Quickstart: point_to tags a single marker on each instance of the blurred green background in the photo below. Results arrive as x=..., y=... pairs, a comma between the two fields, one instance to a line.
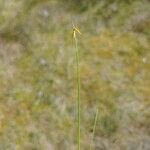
x=38, y=74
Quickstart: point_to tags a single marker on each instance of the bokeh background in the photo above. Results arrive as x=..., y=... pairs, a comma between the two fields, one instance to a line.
x=38, y=74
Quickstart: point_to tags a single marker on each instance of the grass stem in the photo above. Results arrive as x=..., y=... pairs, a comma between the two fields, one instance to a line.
x=78, y=91
x=78, y=94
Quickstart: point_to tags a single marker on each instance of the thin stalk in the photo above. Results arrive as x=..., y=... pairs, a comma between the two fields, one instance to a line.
x=94, y=127
x=76, y=30
x=78, y=93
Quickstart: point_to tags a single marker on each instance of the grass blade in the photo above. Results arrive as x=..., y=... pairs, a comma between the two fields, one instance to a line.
x=94, y=127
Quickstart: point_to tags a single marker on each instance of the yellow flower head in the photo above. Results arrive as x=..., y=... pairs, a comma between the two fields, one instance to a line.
x=75, y=30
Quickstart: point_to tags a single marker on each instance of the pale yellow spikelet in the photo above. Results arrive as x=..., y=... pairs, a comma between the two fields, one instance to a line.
x=76, y=30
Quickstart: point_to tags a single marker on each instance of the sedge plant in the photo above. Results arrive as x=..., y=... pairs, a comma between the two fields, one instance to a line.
x=75, y=32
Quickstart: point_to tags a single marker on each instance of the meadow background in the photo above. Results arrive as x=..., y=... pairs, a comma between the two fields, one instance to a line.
x=38, y=74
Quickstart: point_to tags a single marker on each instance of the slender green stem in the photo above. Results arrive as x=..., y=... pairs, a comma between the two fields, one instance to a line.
x=94, y=127
x=78, y=93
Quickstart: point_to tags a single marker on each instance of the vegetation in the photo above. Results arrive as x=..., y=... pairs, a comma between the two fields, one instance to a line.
x=38, y=74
